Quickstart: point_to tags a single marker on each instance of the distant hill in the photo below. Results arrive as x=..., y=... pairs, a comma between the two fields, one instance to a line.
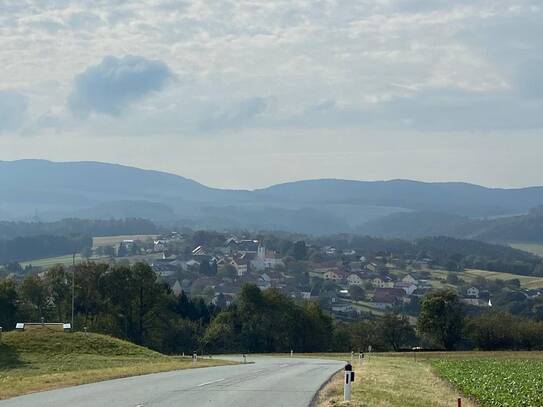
x=518, y=228
x=44, y=190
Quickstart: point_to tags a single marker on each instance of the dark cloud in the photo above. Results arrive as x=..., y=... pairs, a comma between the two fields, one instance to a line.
x=115, y=83
x=13, y=107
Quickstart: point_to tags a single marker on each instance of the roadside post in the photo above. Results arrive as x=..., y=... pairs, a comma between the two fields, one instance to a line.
x=1, y=329
x=352, y=356
x=459, y=402
x=349, y=378
x=291, y=353
x=194, y=357
x=85, y=330
x=244, y=358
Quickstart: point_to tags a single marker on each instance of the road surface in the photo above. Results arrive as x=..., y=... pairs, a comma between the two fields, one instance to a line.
x=270, y=381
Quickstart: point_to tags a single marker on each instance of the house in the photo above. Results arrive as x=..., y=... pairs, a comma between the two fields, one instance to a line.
x=247, y=246
x=409, y=288
x=354, y=279
x=470, y=301
x=159, y=246
x=264, y=281
x=388, y=296
x=342, y=308
x=305, y=295
x=330, y=250
x=372, y=267
x=473, y=292
x=222, y=300
x=241, y=265
x=323, y=267
x=383, y=281
x=199, y=251
x=334, y=275
x=410, y=279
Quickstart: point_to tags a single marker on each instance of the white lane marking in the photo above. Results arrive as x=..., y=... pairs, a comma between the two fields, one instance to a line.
x=214, y=381
x=257, y=371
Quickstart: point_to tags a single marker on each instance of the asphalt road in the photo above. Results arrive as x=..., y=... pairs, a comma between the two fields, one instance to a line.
x=270, y=381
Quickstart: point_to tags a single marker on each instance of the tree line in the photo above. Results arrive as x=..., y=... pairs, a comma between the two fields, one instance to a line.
x=130, y=302
x=35, y=247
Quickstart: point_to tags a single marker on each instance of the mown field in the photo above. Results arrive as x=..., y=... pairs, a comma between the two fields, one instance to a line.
x=487, y=379
x=115, y=240
x=64, y=260
x=40, y=359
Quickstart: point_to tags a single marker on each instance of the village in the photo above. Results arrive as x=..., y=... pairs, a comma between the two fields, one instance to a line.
x=346, y=283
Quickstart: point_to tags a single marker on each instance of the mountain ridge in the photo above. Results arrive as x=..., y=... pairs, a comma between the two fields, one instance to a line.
x=93, y=189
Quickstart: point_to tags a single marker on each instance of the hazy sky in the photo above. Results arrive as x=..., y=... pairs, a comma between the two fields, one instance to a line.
x=248, y=93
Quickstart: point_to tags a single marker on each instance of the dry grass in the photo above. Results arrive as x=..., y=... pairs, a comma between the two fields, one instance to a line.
x=392, y=382
x=34, y=361
x=471, y=274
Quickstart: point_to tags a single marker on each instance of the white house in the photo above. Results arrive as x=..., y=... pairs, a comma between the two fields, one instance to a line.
x=334, y=275
x=241, y=265
x=355, y=279
x=159, y=246
x=473, y=292
x=382, y=282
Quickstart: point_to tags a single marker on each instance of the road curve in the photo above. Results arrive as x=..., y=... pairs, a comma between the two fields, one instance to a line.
x=270, y=381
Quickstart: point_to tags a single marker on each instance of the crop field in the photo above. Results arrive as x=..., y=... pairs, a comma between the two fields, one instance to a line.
x=495, y=382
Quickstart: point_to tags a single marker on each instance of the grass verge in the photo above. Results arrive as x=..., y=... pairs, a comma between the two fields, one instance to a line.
x=41, y=360
x=392, y=381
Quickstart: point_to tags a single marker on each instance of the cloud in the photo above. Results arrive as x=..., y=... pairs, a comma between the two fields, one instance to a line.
x=236, y=116
x=116, y=83
x=530, y=78
x=13, y=109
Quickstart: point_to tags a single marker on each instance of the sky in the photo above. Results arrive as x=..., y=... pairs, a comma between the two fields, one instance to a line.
x=249, y=93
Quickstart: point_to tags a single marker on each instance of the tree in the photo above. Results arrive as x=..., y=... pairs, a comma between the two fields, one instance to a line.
x=300, y=250
x=441, y=318
x=34, y=294
x=8, y=304
x=59, y=283
x=86, y=252
x=396, y=330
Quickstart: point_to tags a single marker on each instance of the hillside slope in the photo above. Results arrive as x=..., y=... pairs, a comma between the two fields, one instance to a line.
x=42, y=359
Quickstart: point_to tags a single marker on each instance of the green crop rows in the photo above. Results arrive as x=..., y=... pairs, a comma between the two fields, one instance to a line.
x=497, y=383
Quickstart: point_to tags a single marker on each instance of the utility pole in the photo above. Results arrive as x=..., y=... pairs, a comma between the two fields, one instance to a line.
x=73, y=291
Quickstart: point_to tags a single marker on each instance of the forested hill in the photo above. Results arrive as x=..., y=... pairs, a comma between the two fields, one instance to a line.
x=410, y=225
x=39, y=189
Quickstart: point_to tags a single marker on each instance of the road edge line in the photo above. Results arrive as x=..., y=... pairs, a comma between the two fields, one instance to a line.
x=313, y=402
